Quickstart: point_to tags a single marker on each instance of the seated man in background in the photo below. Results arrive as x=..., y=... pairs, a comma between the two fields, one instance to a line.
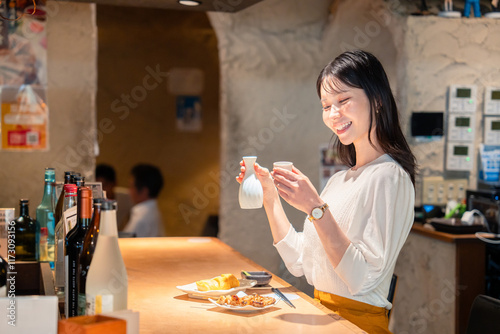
x=145, y=219
x=107, y=176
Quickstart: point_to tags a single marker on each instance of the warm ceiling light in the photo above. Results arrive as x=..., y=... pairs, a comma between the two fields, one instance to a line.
x=189, y=2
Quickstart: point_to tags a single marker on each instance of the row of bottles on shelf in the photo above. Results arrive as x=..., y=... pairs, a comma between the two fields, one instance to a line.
x=77, y=234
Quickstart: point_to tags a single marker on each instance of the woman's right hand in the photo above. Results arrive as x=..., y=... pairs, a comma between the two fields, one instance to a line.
x=262, y=174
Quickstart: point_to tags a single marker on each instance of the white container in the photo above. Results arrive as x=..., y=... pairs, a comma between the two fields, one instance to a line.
x=107, y=282
x=29, y=314
x=251, y=195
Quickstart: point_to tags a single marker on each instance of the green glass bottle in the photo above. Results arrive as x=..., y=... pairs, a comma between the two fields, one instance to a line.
x=25, y=227
x=45, y=229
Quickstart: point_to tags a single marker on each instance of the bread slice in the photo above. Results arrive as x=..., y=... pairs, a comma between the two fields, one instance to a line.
x=223, y=282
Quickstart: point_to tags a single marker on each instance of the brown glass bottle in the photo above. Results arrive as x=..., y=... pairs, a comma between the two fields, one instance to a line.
x=87, y=253
x=74, y=245
x=26, y=249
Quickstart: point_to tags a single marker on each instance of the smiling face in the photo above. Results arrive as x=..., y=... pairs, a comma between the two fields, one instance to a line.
x=346, y=111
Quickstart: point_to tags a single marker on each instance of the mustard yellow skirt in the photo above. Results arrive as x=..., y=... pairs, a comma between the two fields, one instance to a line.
x=372, y=319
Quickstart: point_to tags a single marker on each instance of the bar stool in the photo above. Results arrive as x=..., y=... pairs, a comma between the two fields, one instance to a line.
x=484, y=316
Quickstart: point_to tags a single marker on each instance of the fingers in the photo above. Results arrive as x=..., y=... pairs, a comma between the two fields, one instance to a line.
x=283, y=175
x=261, y=170
x=240, y=176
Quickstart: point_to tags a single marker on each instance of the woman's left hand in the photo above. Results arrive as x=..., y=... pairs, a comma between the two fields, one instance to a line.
x=296, y=189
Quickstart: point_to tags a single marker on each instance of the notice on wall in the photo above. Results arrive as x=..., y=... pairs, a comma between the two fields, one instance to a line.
x=189, y=113
x=24, y=118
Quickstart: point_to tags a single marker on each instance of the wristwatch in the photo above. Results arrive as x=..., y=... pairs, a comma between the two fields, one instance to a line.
x=318, y=212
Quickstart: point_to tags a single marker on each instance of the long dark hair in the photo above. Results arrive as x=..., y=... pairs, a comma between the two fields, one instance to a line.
x=361, y=69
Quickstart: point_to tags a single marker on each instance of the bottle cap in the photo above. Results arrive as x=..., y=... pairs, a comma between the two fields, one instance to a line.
x=24, y=201
x=70, y=190
x=79, y=180
x=50, y=174
x=108, y=204
x=85, y=202
x=98, y=200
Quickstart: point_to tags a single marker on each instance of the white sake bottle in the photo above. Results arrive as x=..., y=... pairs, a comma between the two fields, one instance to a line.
x=250, y=195
x=107, y=281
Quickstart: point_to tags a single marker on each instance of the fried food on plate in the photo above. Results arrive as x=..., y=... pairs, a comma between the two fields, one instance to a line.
x=254, y=300
x=223, y=282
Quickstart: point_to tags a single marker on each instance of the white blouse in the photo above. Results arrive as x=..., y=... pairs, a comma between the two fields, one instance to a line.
x=374, y=207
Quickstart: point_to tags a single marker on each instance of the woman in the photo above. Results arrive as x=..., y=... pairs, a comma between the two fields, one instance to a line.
x=357, y=226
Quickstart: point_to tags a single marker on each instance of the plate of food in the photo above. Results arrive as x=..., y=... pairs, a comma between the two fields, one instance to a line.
x=242, y=302
x=226, y=284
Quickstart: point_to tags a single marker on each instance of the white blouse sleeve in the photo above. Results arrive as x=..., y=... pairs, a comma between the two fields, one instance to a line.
x=385, y=215
x=291, y=249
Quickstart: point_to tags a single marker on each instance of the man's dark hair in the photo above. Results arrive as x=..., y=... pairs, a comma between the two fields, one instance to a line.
x=106, y=172
x=148, y=176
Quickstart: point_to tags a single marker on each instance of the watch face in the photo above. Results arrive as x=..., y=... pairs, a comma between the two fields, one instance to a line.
x=317, y=213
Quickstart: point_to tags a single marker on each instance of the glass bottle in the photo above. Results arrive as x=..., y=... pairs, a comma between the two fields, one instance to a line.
x=88, y=249
x=61, y=230
x=26, y=248
x=107, y=281
x=60, y=202
x=79, y=181
x=74, y=245
x=45, y=219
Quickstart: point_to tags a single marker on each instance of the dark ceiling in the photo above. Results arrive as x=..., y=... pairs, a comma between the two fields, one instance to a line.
x=230, y=6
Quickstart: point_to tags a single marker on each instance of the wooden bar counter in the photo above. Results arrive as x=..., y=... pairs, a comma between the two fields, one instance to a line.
x=155, y=266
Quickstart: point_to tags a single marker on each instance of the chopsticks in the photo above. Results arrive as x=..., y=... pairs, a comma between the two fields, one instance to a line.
x=285, y=299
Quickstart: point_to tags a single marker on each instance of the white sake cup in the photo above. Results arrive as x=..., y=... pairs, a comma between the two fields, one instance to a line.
x=283, y=164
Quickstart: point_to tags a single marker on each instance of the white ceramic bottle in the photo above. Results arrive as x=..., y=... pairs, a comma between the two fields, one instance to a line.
x=250, y=195
x=107, y=282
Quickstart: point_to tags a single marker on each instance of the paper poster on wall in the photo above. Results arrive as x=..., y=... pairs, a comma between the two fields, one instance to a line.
x=329, y=164
x=23, y=43
x=24, y=118
x=189, y=113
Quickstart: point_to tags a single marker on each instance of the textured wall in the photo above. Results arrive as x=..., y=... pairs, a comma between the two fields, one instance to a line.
x=425, y=296
x=71, y=54
x=440, y=52
x=133, y=43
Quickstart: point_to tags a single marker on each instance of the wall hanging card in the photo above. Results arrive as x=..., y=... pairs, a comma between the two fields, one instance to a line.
x=24, y=118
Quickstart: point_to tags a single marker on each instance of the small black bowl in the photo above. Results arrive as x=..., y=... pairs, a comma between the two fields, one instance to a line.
x=262, y=277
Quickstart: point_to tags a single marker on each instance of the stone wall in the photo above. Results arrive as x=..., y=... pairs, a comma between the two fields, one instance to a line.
x=437, y=53
x=72, y=85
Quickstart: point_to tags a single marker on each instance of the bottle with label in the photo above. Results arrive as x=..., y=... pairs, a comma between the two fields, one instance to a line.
x=25, y=227
x=107, y=281
x=45, y=219
x=74, y=245
x=62, y=229
x=60, y=202
x=88, y=249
